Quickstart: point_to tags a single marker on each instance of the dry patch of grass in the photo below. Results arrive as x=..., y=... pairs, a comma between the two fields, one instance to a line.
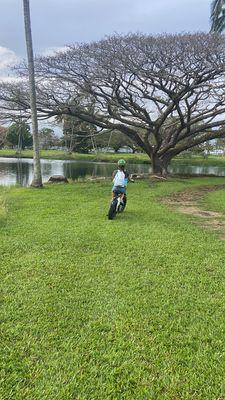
x=187, y=202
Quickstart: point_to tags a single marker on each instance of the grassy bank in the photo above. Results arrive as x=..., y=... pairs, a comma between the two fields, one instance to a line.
x=95, y=309
x=63, y=155
x=113, y=157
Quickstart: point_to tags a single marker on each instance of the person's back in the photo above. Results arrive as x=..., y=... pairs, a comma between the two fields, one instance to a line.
x=120, y=179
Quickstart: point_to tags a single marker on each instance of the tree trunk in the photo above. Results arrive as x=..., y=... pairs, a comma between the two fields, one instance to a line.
x=165, y=163
x=160, y=165
x=156, y=165
x=37, y=178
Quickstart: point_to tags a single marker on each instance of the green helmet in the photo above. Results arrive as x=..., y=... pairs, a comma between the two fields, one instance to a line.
x=121, y=163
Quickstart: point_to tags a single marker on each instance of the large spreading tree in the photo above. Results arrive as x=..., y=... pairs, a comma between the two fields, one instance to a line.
x=166, y=93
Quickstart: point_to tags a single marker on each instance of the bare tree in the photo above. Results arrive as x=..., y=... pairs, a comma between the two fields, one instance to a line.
x=37, y=178
x=166, y=93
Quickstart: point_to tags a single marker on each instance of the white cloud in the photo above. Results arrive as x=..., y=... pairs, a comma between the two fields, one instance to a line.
x=8, y=59
x=50, y=51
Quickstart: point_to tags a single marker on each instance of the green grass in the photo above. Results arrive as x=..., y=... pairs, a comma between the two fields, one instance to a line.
x=113, y=157
x=63, y=155
x=95, y=309
x=215, y=201
x=3, y=204
x=209, y=161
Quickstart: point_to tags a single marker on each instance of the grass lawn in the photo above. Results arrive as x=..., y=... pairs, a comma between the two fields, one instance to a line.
x=113, y=157
x=63, y=155
x=94, y=309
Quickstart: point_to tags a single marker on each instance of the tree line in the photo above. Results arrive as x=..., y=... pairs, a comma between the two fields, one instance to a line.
x=77, y=137
x=18, y=136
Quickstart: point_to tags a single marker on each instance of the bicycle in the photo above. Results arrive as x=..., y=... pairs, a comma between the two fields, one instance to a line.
x=116, y=205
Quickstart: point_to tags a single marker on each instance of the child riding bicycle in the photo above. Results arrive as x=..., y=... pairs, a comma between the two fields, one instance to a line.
x=121, y=177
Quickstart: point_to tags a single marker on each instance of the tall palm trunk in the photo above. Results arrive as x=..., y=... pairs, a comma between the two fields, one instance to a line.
x=217, y=16
x=37, y=178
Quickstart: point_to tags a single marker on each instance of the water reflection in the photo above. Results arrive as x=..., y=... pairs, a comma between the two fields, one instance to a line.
x=197, y=170
x=19, y=171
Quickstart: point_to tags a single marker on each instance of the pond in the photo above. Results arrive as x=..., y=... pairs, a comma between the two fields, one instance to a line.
x=19, y=170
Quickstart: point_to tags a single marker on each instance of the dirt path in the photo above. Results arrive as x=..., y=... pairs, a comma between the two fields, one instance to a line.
x=187, y=203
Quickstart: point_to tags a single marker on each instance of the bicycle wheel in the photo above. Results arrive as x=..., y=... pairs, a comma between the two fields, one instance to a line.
x=112, y=209
x=124, y=203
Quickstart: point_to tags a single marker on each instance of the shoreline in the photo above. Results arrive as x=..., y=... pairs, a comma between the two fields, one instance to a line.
x=138, y=158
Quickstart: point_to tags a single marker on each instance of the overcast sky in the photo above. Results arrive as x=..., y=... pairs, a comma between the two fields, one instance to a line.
x=56, y=23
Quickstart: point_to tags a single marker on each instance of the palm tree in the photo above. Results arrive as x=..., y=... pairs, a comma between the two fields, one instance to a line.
x=217, y=16
x=37, y=178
